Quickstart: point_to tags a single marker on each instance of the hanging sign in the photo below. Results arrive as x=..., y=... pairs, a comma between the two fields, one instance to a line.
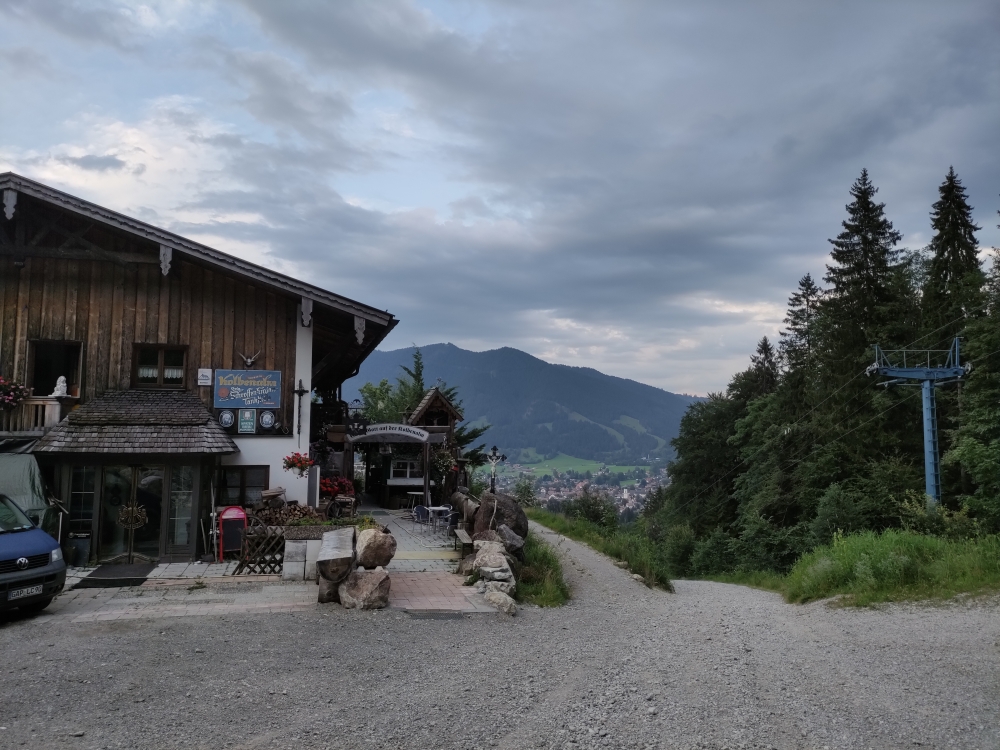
x=256, y=389
x=378, y=433
x=248, y=421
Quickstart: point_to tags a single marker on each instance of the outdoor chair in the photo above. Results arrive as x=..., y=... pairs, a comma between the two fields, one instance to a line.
x=441, y=515
x=421, y=516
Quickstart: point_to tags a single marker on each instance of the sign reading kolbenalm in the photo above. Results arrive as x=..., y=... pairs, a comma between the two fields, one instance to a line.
x=247, y=389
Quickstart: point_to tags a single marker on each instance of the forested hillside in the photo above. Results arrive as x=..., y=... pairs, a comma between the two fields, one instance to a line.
x=540, y=409
x=803, y=444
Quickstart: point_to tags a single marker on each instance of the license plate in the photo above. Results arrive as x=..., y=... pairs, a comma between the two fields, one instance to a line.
x=21, y=593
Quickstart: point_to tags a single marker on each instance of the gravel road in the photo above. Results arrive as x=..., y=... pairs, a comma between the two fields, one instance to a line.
x=711, y=666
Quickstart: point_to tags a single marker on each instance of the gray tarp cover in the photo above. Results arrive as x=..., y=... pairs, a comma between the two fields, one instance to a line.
x=21, y=481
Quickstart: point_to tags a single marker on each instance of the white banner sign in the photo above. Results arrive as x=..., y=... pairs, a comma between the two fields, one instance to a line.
x=389, y=431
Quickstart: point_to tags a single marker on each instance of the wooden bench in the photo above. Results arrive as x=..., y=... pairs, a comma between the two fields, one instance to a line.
x=462, y=537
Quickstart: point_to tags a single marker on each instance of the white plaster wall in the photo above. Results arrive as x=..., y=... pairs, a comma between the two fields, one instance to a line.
x=269, y=451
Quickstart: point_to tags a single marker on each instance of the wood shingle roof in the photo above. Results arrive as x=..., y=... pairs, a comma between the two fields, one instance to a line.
x=139, y=421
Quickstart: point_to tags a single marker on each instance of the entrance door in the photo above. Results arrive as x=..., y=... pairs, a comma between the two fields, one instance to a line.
x=131, y=504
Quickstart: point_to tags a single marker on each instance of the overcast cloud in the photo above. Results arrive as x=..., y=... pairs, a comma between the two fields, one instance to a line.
x=631, y=186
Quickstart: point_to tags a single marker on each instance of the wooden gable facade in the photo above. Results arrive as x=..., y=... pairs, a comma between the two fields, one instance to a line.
x=106, y=285
x=63, y=279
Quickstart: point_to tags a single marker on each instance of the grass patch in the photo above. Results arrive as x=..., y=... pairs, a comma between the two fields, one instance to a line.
x=869, y=567
x=637, y=550
x=541, y=580
x=562, y=463
x=895, y=566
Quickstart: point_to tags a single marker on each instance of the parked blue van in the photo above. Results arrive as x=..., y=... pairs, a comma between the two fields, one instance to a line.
x=32, y=570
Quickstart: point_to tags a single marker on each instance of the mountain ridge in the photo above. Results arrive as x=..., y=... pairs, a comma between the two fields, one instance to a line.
x=537, y=408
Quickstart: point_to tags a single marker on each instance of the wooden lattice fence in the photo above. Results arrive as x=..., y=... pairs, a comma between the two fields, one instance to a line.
x=263, y=549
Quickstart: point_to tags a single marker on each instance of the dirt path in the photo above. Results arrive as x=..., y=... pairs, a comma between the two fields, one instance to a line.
x=621, y=666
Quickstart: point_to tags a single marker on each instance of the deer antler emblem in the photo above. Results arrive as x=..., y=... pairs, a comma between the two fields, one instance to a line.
x=248, y=361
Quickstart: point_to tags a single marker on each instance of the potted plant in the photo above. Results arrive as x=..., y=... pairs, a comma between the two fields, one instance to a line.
x=298, y=463
x=12, y=393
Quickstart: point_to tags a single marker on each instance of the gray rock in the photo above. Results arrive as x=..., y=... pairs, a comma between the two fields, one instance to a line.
x=365, y=589
x=502, y=602
x=375, y=548
x=496, y=574
x=328, y=591
x=513, y=542
x=495, y=510
x=504, y=587
x=465, y=566
x=489, y=560
x=490, y=546
x=487, y=536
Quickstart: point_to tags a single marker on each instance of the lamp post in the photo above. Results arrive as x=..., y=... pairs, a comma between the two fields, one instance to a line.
x=494, y=458
x=356, y=423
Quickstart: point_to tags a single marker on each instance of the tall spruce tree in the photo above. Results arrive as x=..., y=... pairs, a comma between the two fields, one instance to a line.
x=763, y=369
x=798, y=339
x=955, y=279
x=864, y=259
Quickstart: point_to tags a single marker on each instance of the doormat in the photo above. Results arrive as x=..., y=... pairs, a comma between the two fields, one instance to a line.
x=115, y=576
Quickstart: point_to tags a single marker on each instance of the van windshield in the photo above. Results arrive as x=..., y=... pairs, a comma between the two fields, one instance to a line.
x=12, y=518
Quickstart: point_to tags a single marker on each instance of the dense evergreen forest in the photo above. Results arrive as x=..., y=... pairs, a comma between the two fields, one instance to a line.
x=802, y=445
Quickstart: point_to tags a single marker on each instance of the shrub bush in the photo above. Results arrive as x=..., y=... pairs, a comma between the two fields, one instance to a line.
x=593, y=506
x=894, y=565
x=678, y=546
x=713, y=554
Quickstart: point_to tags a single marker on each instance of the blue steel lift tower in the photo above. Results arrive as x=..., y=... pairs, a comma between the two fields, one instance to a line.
x=908, y=365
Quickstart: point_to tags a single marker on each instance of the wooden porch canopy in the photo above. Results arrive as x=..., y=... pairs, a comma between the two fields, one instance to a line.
x=404, y=433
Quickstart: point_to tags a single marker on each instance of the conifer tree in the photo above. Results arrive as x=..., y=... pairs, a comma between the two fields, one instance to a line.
x=955, y=278
x=798, y=339
x=864, y=258
x=764, y=367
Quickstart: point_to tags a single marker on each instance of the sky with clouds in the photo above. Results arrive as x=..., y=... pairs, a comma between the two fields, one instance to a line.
x=631, y=186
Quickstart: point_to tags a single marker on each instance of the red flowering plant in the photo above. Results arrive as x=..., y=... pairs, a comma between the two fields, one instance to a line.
x=297, y=462
x=333, y=486
x=12, y=393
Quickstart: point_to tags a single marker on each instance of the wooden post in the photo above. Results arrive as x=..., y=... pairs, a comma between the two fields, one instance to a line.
x=427, y=474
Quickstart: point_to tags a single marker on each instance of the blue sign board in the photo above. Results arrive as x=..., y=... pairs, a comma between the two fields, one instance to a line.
x=247, y=389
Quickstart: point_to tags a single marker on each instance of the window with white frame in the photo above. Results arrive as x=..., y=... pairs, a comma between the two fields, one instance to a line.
x=407, y=470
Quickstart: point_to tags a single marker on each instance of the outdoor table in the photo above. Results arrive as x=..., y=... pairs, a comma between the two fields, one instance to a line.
x=415, y=498
x=436, y=511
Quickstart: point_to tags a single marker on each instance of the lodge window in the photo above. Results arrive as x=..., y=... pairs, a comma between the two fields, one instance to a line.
x=241, y=485
x=407, y=470
x=159, y=367
x=81, y=498
x=51, y=360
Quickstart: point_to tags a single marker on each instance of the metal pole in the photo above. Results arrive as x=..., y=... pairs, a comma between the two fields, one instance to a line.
x=932, y=466
x=427, y=474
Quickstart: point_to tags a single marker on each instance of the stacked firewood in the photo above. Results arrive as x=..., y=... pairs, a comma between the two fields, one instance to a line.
x=284, y=516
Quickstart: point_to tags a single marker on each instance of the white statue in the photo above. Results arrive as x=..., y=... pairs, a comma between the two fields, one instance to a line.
x=60, y=387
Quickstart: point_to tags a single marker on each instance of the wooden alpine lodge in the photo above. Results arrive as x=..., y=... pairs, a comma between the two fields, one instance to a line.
x=166, y=378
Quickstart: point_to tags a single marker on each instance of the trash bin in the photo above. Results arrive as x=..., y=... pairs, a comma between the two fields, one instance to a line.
x=78, y=549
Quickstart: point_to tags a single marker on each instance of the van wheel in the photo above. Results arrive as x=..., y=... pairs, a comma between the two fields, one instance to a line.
x=35, y=607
